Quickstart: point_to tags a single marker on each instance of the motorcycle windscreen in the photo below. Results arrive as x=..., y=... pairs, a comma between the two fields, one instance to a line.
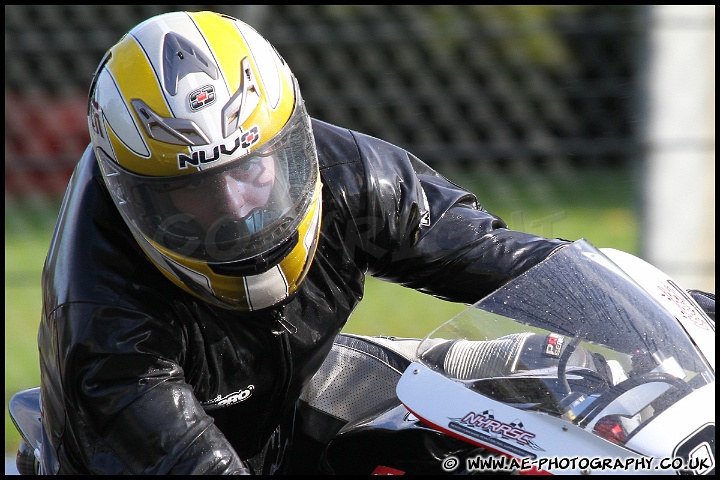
x=577, y=338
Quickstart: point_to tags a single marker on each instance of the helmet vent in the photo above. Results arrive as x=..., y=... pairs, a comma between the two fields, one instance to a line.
x=181, y=58
x=177, y=131
x=243, y=102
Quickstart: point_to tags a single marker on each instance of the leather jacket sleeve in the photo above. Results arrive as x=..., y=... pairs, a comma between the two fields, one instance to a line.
x=418, y=229
x=121, y=391
x=111, y=350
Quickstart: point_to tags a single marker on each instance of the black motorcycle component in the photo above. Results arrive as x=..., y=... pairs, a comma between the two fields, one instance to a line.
x=395, y=443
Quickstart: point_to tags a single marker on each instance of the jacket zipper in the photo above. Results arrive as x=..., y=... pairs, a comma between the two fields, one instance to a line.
x=282, y=332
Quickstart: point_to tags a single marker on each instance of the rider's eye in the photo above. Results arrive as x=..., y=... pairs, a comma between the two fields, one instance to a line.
x=248, y=165
x=193, y=184
x=248, y=170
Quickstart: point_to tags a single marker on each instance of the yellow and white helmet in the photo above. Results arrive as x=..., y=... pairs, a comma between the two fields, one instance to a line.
x=207, y=150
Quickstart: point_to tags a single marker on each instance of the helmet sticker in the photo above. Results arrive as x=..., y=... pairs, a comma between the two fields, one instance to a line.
x=198, y=158
x=250, y=137
x=202, y=97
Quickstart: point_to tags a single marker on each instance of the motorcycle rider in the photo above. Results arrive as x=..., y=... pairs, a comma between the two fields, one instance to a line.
x=213, y=241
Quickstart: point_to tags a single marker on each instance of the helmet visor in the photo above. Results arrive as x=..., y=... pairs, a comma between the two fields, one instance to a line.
x=229, y=213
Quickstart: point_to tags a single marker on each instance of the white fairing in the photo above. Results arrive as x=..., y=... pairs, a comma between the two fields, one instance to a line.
x=590, y=355
x=486, y=422
x=673, y=297
x=691, y=417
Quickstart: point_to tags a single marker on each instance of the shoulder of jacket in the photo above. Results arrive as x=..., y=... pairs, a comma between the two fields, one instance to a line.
x=336, y=146
x=352, y=150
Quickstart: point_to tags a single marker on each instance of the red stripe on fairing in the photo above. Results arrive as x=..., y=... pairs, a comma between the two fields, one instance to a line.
x=532, y=471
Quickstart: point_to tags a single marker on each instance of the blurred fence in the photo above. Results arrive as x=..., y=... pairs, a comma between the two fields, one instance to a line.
x=535, y=88
x=457, y=85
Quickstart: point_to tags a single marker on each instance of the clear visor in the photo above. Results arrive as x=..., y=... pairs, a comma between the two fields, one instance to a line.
x=233, y=212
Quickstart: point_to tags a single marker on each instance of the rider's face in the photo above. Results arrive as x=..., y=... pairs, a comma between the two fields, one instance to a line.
x=236, y=193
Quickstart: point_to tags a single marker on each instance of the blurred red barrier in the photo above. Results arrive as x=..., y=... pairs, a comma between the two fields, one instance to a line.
x=44, y=138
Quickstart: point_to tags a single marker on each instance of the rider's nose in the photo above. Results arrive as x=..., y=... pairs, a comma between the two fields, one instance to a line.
x=233, y=195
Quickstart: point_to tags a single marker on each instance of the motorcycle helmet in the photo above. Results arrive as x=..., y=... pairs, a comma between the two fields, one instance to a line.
x=206, y=148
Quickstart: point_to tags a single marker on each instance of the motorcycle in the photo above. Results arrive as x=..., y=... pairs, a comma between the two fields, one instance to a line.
x=593, y=361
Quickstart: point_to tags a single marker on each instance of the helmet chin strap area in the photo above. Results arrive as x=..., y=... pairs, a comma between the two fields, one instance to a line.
x=258, y=218
x=232, y=230
x=257, y=264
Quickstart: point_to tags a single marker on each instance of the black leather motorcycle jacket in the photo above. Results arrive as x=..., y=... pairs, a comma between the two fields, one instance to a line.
x=140, y=377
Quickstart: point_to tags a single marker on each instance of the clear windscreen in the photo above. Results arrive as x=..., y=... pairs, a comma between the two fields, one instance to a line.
x=574, y=337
